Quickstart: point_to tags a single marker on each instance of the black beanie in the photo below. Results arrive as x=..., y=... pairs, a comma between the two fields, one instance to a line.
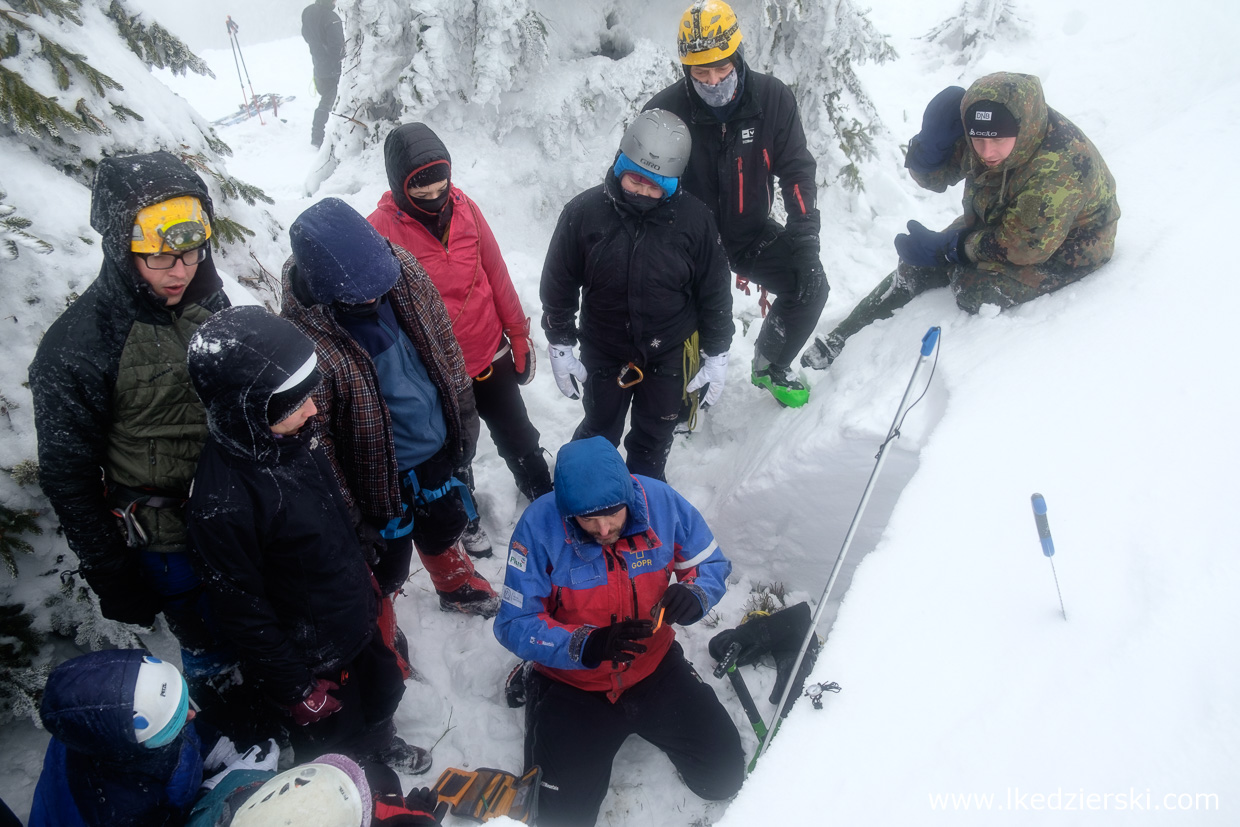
x=988, y=119
x=293, y=393
x=428, y=174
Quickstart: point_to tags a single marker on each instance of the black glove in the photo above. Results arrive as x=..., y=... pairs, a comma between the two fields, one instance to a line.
x=125, y=598
x=370, y=541
x=926, y=248
x=616, y=643
x=680, y=605
x=807, y=265
x=941, y=126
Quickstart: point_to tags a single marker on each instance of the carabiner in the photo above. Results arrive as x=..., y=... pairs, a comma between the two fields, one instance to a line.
x=486, y=374
x=624, y=371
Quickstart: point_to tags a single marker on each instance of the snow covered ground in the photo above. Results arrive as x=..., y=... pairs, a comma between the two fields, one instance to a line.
x=961, y=680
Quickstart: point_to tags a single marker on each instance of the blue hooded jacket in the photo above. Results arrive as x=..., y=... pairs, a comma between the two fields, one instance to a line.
x=95, y=772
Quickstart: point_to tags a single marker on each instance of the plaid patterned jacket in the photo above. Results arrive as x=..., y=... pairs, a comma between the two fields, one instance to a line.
x=353, y=418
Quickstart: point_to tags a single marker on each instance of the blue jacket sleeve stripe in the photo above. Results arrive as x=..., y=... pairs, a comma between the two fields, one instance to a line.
x=699, y=557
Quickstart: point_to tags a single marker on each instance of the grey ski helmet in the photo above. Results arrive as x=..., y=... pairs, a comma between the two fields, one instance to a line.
x=658, y=141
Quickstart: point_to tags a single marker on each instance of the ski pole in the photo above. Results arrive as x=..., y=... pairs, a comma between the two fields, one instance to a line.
x=928, y=344
x=728, y=666
x=1048, y=545
x=233, y=28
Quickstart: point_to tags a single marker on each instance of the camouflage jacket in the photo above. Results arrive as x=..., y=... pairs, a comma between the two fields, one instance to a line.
x=1051, y=202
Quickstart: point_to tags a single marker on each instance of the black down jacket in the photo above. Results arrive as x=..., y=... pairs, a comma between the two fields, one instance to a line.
x=644, y=281
x=733, y=165
x=81, y=423
x=269, y=530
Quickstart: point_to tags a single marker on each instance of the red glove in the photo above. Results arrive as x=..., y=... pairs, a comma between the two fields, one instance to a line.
x=522, y=355
x=317, y=705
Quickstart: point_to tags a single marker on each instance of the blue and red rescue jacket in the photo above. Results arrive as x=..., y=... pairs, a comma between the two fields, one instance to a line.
x=561, y=585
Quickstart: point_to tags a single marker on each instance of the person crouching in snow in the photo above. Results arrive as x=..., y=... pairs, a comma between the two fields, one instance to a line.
x=588, y=569
x=1039, y=206
x=396, y=408
x=125, y=749
x=429, y=216
x=272, y=538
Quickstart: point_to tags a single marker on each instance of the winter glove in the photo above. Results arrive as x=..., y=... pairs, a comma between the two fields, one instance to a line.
x=921, y=247
x=681, y=605
x=421, y=808
x=370, y=541
x=522, y=352
x=317, y=705
x=125, y=598
x=779, y=635
x=261, y=757
x=616, y=643
x=807, y=266
x=941, y=126
x=711, y=377
x=569, y=373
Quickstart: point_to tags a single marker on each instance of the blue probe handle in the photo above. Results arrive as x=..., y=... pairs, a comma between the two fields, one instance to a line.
x=929, y=341
x=1044, y=527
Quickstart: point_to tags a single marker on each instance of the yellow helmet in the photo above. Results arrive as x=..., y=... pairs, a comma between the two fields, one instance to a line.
x=709, y=32
x=176, y=224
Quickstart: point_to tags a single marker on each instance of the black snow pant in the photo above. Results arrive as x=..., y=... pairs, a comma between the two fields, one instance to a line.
x=326, y=87
x=1001, y=285
x=768, y=263
x=656, y=402
x=574, y=736
x=500, y=406
x=371, y=686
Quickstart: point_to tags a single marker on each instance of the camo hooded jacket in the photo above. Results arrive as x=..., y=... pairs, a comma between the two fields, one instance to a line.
x=1050, y=203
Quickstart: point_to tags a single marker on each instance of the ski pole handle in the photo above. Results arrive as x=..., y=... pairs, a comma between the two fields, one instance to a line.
x=1044, y=527
x=729, y=660
x=929, y=341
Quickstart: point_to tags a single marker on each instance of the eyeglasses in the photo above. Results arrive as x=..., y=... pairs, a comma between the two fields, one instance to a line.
x=166, y=261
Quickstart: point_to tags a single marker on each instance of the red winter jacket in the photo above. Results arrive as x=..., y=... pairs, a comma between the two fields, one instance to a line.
x=469, y=272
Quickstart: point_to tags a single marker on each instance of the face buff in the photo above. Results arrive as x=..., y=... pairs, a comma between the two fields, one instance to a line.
x=719, y=94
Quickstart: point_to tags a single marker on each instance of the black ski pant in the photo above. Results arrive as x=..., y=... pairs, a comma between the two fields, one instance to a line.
x=768, y=263
x=371, y=686
x=501, y=407
x=574, y=735
x=1002, y=285
x=326, y=86
x=655, y=401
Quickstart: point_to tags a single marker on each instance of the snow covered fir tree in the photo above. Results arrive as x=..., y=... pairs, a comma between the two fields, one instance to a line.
x=963, y=686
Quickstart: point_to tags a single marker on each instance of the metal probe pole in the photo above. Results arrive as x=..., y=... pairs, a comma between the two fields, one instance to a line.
x=928, y=343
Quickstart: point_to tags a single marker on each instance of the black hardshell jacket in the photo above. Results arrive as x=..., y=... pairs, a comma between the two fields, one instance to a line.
x=644, y=281
x=270, y=533
x=324, y=34
x=109, y=381
x=733, y=165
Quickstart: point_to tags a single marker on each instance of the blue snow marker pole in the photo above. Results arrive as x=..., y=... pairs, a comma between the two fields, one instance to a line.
x=1048, y=545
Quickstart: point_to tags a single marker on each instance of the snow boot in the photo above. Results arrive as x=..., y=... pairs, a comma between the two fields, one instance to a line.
x=404, y=757
x=822, y=352
x=475, y=540
x=460, y=588
x=531, y=474
x=787, y=391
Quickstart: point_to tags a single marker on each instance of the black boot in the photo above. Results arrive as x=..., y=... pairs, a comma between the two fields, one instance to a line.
x=532, y=476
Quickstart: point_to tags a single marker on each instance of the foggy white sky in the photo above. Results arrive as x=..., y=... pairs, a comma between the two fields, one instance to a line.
x=201, y=25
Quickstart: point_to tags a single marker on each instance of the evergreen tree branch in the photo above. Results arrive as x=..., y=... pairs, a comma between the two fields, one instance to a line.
x=155, y=45
x=66, y=9
x=57, y=55
x=29, y=112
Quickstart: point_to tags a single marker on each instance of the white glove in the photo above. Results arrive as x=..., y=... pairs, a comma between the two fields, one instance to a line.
x=711, y=375
x=570, y=374
x=265, y=756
